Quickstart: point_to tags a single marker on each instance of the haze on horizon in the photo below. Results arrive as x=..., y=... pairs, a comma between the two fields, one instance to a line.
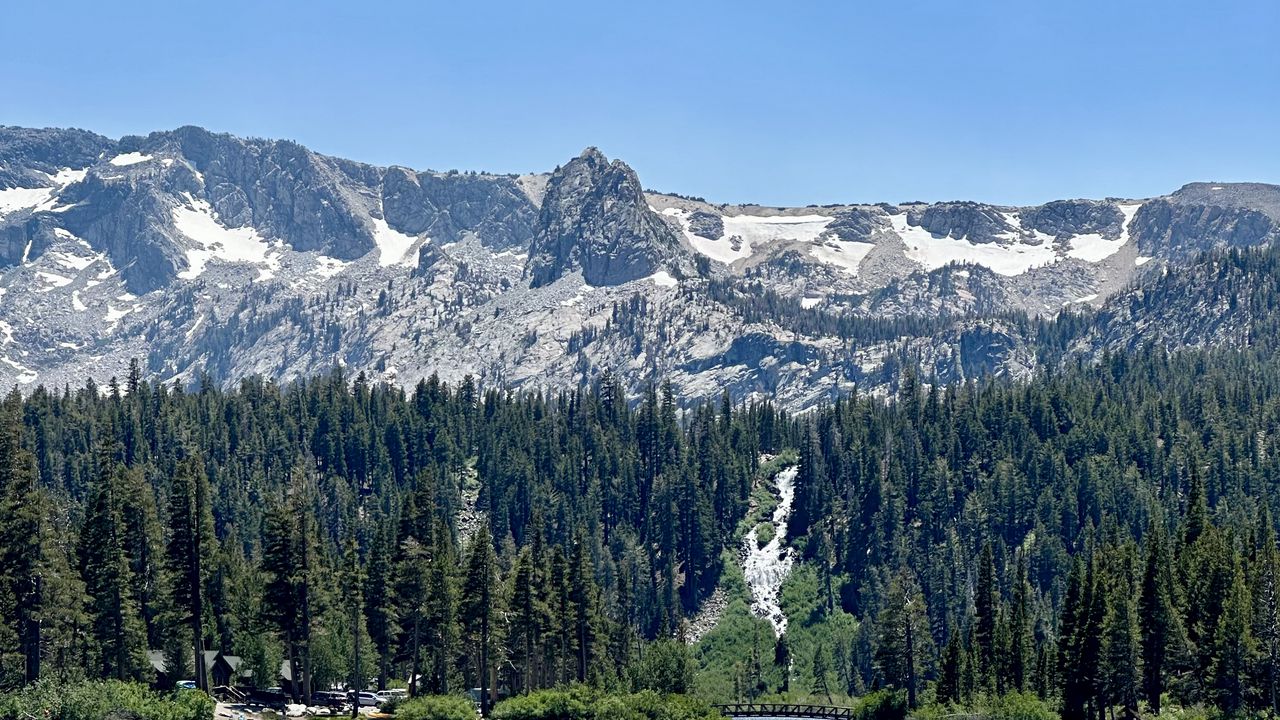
x=1005, y=102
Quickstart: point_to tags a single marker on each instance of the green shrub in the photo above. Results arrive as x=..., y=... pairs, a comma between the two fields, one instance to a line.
x=649, y=705
x=1020, y=706
x=579, y=703
x=571, y=704
x=667, y=667
x=764, y=534
x=881, y=705
x=435, y=707
x=99, y=699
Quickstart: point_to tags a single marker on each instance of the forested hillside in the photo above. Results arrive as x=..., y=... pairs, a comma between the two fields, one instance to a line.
x=1102, y=537
x=269, y=519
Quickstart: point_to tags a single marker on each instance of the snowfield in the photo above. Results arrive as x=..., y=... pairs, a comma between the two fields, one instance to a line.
x=1095, y=248
x=131, y=158
x=199, y=223
x=743, y=234
x=393, y=245
x=934, y=252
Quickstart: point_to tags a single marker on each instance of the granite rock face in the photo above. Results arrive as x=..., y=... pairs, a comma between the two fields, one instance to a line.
x=1075, y=217
x=445, y=206
x=857, y=223
x=310, y=201
x=208, y=255
x=706, y=225
x=28, y=155
x=1180, y=230
x=595, y=219
x=970, y=221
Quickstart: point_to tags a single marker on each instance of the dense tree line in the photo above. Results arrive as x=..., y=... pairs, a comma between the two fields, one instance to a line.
x=1102, y=536
x=349, y=530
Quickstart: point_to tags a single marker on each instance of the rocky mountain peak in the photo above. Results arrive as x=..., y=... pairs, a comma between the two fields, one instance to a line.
x=595, y=218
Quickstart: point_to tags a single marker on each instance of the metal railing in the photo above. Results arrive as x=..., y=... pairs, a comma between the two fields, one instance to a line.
x=770, y=710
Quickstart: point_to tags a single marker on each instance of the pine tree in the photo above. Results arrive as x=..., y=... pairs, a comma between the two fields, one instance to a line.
x=985, y=603
x=528, y=618
x=1156, y=616
x=1121, y=647
x=904, y=650
x=1232, y=647
x=1020, y=651
x=952, y=670
x=1266, y=611
x=379, y=605
x=185, y=554
x=22, y=507
x=119, y=638
x=352, y=590
x=479, y=607
x=822, y=670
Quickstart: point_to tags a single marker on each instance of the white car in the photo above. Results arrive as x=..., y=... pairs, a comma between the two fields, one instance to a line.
x=367, y=699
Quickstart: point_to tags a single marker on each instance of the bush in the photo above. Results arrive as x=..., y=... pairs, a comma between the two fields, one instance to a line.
x=1020, y=706
x=101, y=699
x=436, y=707
x=649, y=705
x=881, y=705
x=579, y=703
x=571, y=704
x=764, y=534
x=666, y=668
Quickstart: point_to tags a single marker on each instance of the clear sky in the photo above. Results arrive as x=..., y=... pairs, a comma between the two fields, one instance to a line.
x=772, y=102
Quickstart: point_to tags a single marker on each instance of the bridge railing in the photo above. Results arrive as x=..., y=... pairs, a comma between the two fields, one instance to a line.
x=770, y=710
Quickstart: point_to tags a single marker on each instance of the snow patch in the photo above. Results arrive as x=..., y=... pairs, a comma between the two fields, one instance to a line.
x=26, y=375
x=393, y=245
x=743, y=233
x=934, y=252
x=131, y=158
x=67, y=176
x=15, y=199
x=327, y=267
x=53, y=279
x=662, y=278
x=198, y=221
x=844, y=254
x=113, y=315
x=810, y=302
x=76, y=303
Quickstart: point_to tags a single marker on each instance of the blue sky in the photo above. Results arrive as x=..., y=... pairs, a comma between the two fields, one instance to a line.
x=770, y=102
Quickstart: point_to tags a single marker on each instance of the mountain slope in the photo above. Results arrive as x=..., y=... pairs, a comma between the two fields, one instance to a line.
x=207, y=254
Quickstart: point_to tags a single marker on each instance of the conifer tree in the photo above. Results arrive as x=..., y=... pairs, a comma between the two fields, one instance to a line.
x=904, y=651
x=1157, y=616
x=1265, y=603
x=479, y=607
x=119, y=638
x=186, y=551
x=1232, y=647
x=1121, y=646
x=985, y=604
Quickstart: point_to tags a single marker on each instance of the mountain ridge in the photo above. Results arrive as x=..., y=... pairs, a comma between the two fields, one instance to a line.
x=209, y=254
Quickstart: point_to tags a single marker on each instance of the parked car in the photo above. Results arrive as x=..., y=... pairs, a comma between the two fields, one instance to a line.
x=186, y=685
x=393, y=694
x=329, y=699
x=366, y=699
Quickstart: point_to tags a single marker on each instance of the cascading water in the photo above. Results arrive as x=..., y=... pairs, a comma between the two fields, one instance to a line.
x=765, y=568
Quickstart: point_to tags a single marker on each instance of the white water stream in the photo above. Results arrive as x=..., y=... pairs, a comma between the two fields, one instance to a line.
x=767, y=567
